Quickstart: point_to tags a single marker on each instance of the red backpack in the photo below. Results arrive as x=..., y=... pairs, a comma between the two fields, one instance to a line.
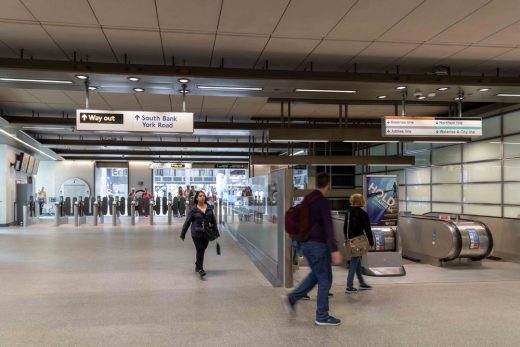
x=297, y=220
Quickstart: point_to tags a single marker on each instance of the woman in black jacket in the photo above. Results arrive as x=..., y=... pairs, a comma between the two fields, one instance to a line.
x=357, y=223
x=199, y=214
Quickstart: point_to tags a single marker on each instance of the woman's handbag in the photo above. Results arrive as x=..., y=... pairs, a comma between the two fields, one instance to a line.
x=358, y=246
x=208, y=230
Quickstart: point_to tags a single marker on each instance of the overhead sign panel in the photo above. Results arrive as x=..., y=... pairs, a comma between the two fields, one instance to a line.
x=431, y=126
x=135, y=121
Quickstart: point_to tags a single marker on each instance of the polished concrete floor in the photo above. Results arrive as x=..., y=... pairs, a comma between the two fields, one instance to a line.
x=136, y=286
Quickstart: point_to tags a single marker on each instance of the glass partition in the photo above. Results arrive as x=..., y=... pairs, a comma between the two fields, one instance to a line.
x=257, y=222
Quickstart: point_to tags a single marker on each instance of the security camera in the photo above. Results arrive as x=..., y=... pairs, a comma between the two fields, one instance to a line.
x=418, y=94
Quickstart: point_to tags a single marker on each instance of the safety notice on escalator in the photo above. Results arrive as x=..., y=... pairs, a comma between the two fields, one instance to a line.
x=474, y=241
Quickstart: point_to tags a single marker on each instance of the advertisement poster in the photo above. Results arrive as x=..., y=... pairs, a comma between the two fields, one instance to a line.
x=381, y=194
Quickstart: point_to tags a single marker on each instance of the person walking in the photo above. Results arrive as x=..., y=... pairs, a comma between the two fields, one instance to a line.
x=320, y=250
x=356, y=224
x=42, y=199
x=198, y=215
x=147, y=197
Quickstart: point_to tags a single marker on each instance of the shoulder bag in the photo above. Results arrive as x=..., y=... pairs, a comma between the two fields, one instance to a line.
x=208, y=229
x=358, y=246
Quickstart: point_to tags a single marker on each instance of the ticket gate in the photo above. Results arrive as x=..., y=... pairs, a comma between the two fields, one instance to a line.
x=449, y=240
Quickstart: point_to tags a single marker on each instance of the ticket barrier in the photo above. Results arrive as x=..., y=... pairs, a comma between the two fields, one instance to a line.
x=59, y=218
x=444, y=239
x=384, y=259
x=79, y=217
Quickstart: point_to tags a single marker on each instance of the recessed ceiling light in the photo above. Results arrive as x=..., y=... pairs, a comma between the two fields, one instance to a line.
x=442, y=89
x=458, y=98
x=138, y=89
x=184, y=80
x=92, y=88
x=484, y=89
x=229, y=88
x=82, y=77
x=8, y=79
x=422, y=97
x=184, y=91
x=133, y=78
x=325, y=90
x=508, y=95
x=400, y=87
x=381, y=97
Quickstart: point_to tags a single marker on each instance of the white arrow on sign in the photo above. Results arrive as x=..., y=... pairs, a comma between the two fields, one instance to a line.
x=84, y=117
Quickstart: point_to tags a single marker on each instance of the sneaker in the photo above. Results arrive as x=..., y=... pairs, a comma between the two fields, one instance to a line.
x=350, y=290
x=365, y=287
x=329, y=321
x=289, y=308
x=331, y=295
x=305, y=297
x=202, y=273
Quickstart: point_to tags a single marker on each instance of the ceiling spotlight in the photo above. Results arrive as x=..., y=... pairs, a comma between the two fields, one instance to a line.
x=422, y=97
x=431, y=94
x=458, y=98
x=92, y=88
x=400, y=87
x=138, y=89
x=82, y=77
x=184, y=80
x=484, y=89
x=442, y=89
x=381, y=97
x=184, y=91
x=133, y=79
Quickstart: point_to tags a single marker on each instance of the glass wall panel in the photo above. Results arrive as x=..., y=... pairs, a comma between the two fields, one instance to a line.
x=490, y=171
x=359, y=181
x=377, y=150
x=448, y=208
x=418, y=207
x=447, y=192
x=512, y=170
x=512, y=211
x=418, y=175
x=483, y=210
x=512, y=193
x=512, y=146
x=446, y=174
x=512, y=122
x=490, y=193
x=422, y=159
x=400, y=176
x=484, y=150
x=446, y=155
x=491, y=127
x=111, y=181
x=392, y=148
x=402, y=205
x=412, y=147
x=418, y=193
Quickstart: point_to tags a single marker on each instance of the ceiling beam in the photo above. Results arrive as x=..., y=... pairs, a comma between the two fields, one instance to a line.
x=148, y=158
x=72, y=152
x=331, y=160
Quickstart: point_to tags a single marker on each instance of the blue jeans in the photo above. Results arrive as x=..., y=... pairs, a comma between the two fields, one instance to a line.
x=318, y=257
x=355, y=267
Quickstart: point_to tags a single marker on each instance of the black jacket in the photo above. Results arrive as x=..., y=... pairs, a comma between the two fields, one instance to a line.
x=359, y=221
x=195, y=217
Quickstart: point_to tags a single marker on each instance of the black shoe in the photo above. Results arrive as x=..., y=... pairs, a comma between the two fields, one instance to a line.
x=365, y=287
x=289, y=308
x=202, y=273
x=329, y=321
x=331, y=295
x=305, y=297
x=350, y=290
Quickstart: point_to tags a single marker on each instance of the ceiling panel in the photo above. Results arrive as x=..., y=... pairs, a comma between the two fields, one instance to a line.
x=6, y=52
x=16, y=95
x=120, y=101
x=332, y=55
x=13, y=9
x=50, y=96
x=219, y=102
x=32, y=38
x=126, y=13
x=214, y=112
x=431, y=18
x=509, y=61
x=188, y=49
x=141, y=47
x=27, y=106
x=89, y=43
x=380, y=54
x=193, y=15
x=418, y=110
x=507, y=36
x=154, y=102
x=310, y=19
x=251, y=17
x=286, y=53
x=94, y=98
x=490, y=19
x=369, y=19
x=425, y=56
x=193, y=102
x=245, y=109
x=237, y=50
x=472, y=56
x=372, y=111
x=61, y=11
